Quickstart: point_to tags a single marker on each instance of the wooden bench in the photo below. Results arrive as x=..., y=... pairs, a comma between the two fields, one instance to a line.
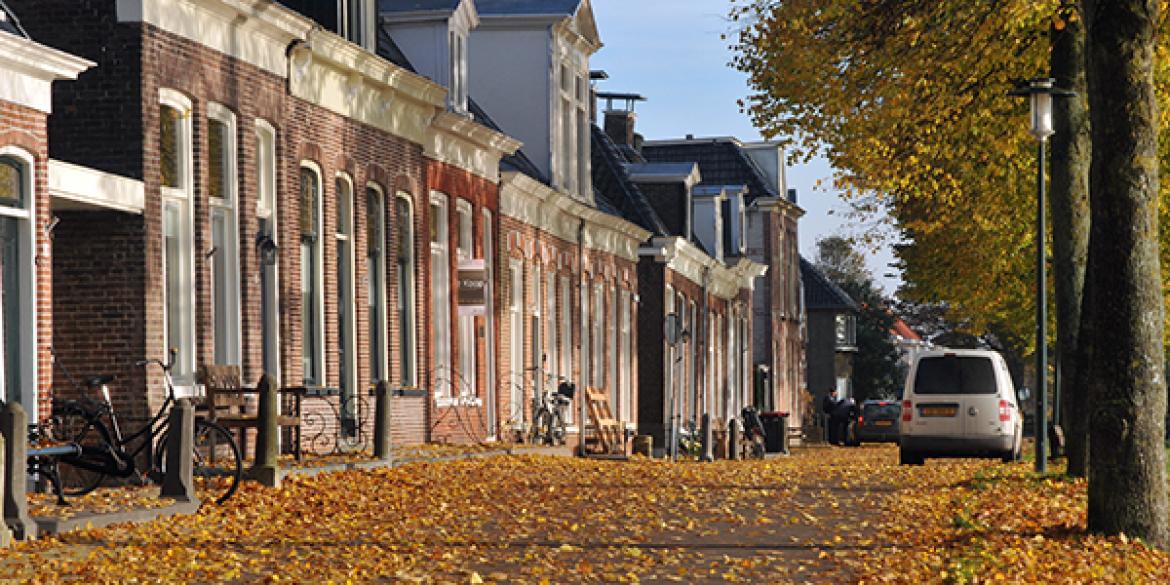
x=226, y=403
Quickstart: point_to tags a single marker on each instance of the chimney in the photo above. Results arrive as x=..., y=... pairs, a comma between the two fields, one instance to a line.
x=619, y=126
x=620, y=119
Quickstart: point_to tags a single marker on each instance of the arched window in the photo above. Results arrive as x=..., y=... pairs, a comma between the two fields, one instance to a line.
x=346, y=358
x=376, y=279
x=312, y=311
x=267, y=244
x=404, y=269
x=17, y=280
x=441, y=295
x=225, y=258
x=176, y=185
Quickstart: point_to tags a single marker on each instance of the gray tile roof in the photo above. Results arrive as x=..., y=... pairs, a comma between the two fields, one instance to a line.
x=385, y=6
x=522, y=7
x=820, y=293
x=612, y=184
x=721, y=162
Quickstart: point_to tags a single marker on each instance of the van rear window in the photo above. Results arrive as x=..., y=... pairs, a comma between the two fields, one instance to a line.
x=955, y=375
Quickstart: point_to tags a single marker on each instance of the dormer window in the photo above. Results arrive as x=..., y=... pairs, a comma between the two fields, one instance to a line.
x=350, y=19
x=571, y=152
x=457, y=96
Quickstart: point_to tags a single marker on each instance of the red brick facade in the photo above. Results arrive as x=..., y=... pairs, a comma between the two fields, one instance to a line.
x=23, y=138
x=527, y=248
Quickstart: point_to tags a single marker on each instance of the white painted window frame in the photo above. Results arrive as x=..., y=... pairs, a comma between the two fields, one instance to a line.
x=490, y=321
x=377, y=281
x=440, y=299
x=28, y=284
x=183, y=196
x=345, y=236
x=227, y=207
x=266, y=203
x=516, y=341
x=408, y=352
x=467, y=381
x=318, y=276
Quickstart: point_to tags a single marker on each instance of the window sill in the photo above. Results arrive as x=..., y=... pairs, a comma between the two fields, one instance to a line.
x=448, y=401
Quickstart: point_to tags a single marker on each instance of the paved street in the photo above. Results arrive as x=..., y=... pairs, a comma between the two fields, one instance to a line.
x=823, y=515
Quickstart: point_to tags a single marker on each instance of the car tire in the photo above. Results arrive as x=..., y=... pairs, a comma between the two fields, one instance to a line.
x=906, y=457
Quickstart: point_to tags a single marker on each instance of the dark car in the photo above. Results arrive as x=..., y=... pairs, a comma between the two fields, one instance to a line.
x=878, y=421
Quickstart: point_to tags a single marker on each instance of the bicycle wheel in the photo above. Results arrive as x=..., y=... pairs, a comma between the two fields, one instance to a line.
x=216, y=462
x=72, y=423
x=556, y=431
x=757, y=449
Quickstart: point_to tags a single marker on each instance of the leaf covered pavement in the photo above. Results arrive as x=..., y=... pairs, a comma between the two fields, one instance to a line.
x=822, y=515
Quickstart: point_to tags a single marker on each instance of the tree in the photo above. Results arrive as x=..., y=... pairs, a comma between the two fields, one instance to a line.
x=1122, y=326
x=876, y=368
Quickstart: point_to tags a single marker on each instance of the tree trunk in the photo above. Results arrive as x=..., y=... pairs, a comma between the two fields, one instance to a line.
x=1122, y=322
x=1069, y=205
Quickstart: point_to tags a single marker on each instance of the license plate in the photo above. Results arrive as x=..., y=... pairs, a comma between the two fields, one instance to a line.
x=939, y=410
x=883, y=423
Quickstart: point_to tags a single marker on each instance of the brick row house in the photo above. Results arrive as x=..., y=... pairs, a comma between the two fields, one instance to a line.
x=769, y=215
x=289, y=182
x=340, y=192
x=696, y=284
x=28, y=71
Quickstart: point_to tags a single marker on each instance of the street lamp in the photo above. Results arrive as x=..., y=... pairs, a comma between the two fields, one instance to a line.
x=1040, y=92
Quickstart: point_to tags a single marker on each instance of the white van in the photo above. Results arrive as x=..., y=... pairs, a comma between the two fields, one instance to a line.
x=960, y=403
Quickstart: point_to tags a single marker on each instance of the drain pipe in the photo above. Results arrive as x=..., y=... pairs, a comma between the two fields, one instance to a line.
x=583, y=319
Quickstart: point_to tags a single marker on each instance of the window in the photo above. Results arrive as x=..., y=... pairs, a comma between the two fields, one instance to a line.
x=440, y=296
x=845, y=331
x=175, y=156
x=671, y=358
x=550, y=319
x=516, y=340
x=599, y=318
x=312, y=312
x=346, y=360
x=625, y=382
x=266, y=214
x=376, y=282
x=611, y=324
x=490, y=321
x=404, y=272
x=457, y=49
x=584, y=180
x=584, y=329
x=466, y=250
x=692, y=358
x=18, y=335
x=539, y=357
x=566, y=329
x=225, y=257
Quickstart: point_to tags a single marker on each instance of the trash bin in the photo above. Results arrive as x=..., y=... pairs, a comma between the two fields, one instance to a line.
x=775, y=431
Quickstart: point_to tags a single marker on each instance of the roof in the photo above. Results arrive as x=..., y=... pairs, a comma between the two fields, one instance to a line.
x=722, y=161
x=518, y=7
x=385, y=6
x=901, y=329
x=9, y=23
x=612, y=186
x=820, y=293
x=517, y=161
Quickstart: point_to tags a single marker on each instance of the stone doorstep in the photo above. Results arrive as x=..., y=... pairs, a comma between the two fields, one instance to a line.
x=54, y=525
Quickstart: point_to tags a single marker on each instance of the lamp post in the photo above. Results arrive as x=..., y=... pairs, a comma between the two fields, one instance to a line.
x=1040, y=92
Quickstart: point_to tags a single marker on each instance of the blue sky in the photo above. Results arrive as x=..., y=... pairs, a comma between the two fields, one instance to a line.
x=670, y=52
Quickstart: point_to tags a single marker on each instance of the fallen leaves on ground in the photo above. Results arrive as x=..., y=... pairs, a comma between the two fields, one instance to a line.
x=822, y=515
x=99, y=501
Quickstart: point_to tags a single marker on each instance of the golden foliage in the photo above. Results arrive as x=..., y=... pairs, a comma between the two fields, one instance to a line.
x=822, y=515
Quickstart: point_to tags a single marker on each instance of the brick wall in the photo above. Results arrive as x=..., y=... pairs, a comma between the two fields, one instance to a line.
x=109, y=120
x=462, y=424
x=532, y=247
x=23, y=129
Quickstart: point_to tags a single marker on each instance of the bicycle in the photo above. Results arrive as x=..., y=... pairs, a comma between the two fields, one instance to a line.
x=105, y=451
x=548, y=413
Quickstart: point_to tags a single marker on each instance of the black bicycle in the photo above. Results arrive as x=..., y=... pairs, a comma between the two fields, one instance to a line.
x=106, y=452
x=752, y=441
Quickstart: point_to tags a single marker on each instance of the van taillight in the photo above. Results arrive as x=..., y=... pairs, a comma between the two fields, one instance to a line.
x=907, y=411
x=1005, y=411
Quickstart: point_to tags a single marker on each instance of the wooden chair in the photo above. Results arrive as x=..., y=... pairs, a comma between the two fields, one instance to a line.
x=227, y=404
